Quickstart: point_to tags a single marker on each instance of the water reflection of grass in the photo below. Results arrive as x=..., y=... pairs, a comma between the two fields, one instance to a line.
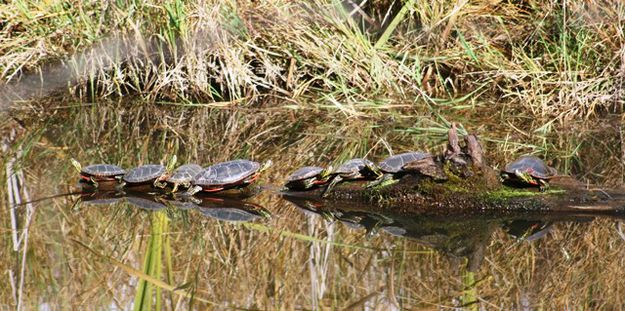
x=152, y=265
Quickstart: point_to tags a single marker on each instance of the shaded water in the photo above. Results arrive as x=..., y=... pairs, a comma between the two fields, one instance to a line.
x=265, y=251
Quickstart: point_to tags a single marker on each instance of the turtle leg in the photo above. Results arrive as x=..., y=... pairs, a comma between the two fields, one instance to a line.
x=331, y=185
x=386, y=180
x=376, y=172
x=193, y=190
x=175, y=188
x=543, y=185
x=309, y=183
x=252, y=179
x=160, y=181
x=160, y=184
x=93, y=181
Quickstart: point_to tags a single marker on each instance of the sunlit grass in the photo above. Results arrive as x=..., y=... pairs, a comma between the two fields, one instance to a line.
x=548, y=60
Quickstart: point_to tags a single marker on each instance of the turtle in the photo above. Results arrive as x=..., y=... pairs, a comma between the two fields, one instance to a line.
x=353, y=169
x=307, y=177
x=393, y=167
x=528, y=170
x=95, y=173
x=146, y=174
x=227, y=175
x=183, y=176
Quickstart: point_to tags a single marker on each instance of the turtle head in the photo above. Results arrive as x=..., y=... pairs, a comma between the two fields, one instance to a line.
x=76, y=164
x=504, y=176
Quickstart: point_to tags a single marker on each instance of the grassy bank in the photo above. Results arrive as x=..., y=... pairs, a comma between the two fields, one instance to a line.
x=559, y=60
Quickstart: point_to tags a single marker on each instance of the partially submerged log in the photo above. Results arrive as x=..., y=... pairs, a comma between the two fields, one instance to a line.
x=472, y=185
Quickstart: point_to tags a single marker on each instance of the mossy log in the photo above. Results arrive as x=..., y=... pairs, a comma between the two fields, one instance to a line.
x=474, y=194
x=471, y=185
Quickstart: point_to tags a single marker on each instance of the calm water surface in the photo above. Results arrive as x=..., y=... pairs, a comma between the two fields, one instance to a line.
x=263, y=251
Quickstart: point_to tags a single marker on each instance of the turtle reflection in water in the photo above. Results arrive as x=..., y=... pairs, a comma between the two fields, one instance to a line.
x=528, y=230
x=101, y=197
x=145, y=201
x=528, y=170
x=232, y=210
x=227, y=175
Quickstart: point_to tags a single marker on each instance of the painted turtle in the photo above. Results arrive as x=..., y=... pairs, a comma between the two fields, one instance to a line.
x=227, y=175
x=146, y=174
x=307, y=177
x=353, y=169
x=393, y=167
x=528, y=170
x=183, y=176
x=95, y=173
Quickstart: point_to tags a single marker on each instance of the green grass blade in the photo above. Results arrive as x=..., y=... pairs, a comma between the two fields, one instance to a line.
x=391, y=27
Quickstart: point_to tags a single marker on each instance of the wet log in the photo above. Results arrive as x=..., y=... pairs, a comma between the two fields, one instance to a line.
x=472, y=185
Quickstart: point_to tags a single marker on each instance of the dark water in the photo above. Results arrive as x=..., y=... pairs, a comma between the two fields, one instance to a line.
x=261, y=250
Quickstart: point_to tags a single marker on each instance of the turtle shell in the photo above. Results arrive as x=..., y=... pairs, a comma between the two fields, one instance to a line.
x=144, y=173
x=353, y=166
x=394, y=164
x=184, y=173
x=226, y=173
x=228, y=214
x=531, y=165
x=305, y=173
x=102, y=170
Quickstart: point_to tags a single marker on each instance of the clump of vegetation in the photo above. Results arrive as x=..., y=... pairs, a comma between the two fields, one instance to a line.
x=561, y=60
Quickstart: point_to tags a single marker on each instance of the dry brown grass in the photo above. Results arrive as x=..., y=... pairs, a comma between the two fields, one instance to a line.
x=555, y=60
